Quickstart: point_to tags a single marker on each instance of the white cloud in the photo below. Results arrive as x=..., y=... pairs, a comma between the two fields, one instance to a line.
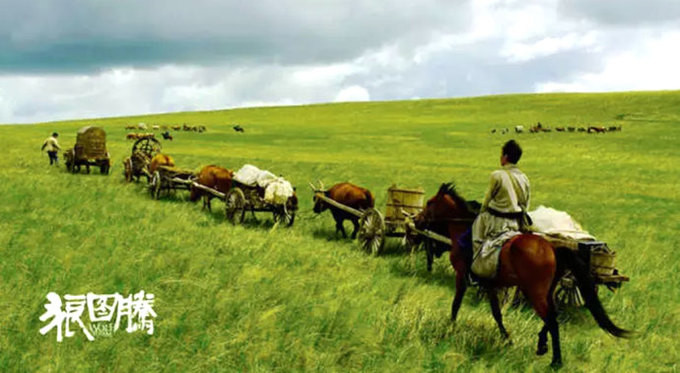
x=526, y=51
x=353, y=93
x=651, y=64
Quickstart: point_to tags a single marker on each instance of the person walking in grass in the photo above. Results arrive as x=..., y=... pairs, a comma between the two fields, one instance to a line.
x=52, y=147
x=503, y=213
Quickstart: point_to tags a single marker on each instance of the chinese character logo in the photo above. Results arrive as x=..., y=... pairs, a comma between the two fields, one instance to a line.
x=106, y=313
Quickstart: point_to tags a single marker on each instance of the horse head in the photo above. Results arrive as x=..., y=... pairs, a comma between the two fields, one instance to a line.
x=446, y=206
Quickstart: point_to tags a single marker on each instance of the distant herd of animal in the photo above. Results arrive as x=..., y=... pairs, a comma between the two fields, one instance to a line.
x=541, y=128
x=166, y=134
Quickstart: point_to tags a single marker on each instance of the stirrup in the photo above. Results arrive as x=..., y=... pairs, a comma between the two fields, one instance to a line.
x=470, y=279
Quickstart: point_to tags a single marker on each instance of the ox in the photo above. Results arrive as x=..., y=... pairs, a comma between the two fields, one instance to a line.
x=160, y=160
x=349, y=195
x=519, y=129
x=214, y=177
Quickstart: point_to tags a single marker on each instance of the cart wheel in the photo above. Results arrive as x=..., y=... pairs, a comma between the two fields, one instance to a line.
x=127, y=163
x=147, y=145
x=284, y=215
x=235, y=202
x=155, y=185
x=372, y=231
x=567, y=293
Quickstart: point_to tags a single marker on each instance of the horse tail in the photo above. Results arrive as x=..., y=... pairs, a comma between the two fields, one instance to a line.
x=568, y=258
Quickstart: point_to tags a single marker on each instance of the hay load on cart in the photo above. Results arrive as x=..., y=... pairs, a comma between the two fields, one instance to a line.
x=89, y=150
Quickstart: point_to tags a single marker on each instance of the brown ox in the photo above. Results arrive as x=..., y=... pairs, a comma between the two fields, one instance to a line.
x=214, y=177
x=160, y=160
x=349, y=195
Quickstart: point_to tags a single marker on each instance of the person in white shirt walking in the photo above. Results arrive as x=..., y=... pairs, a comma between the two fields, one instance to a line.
x=52, y=147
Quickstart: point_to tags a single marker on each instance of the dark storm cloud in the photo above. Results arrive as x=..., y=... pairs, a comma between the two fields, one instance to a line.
x=622, y=12
x=80, y=35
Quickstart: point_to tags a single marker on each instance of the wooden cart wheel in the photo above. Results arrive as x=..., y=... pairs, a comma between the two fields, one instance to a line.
x=285, y=215
x=155, y=185
x=147, y=145
x=567, y=292
x=127, y=163
x=235, y=205
x=372, y=231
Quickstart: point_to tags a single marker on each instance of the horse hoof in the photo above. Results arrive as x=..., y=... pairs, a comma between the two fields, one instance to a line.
x=556, y=364
x=542, y=350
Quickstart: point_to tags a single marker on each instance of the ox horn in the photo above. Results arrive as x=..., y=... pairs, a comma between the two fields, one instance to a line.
x=321, y=187
x=313, y=187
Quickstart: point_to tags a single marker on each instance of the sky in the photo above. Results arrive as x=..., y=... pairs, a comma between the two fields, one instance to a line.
x=71, y=59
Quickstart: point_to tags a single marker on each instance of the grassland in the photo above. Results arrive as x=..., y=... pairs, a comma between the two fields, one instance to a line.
x=260, y=297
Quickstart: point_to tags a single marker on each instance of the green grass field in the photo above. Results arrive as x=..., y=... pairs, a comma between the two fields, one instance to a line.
x=260, y=297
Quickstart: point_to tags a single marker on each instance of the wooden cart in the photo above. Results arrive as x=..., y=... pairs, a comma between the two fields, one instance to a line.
x=89, y=150
x=599, y=258
x=242, y=198
x=168, y=178
x=137, y=164
x=374, y=227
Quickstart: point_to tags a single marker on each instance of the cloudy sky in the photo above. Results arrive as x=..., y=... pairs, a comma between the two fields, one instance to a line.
x=67, y=59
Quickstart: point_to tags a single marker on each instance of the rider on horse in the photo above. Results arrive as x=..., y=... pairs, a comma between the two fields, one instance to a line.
x=503, y=213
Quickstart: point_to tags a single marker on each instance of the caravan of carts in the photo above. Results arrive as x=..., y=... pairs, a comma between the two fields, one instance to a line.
x=374, y=226
x=239, y=200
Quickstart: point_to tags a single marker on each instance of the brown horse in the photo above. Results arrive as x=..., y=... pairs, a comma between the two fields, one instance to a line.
x=527, y=261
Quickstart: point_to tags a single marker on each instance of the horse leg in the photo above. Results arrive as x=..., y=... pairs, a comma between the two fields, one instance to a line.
x=545, y=308
x=430, y=255
x=340, y=227
x=356, y=228
x=496, y=312
x=461, y=286
x=458, y=263
x=542, y=347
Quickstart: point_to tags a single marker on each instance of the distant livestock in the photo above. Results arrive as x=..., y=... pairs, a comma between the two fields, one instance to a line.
x=238, y=128
x=135, y=136
x=156, y=128
x=166, y=136
x=519, y=129
x=142, y=126
x=594, y=129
